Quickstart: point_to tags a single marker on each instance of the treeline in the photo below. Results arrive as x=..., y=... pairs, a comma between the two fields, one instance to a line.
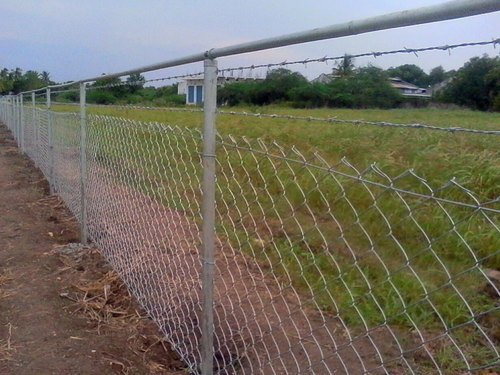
x=362, y=88
x=475, y=85
x=129, y=91
x=116, y=91
x=15, y=80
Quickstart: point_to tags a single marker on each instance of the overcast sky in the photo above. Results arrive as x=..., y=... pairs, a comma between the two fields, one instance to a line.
x=75, y=39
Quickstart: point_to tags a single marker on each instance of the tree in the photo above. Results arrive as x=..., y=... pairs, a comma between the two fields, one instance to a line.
x=136, y=82
x=368, y=87
x=492, y=80
x=345, y=67
x=311, y=95
x=45, y=77
x=475, y=85
x=236, y=93
x=410, y=73
x=276, y=87
x=437, y=75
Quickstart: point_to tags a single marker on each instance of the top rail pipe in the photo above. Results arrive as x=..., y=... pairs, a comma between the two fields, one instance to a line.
x=441, y=12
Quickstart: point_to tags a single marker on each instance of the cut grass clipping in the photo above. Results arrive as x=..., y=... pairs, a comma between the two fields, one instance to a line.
x=6, y=348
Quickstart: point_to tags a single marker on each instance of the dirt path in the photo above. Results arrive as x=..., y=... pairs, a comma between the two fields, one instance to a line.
x=62, y=311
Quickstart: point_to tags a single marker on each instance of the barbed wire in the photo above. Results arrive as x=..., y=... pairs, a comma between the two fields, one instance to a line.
x=326, y=59
x=454, y=129
x=481, y=206
x=148, y=108
x=360, y=122
x=64, y=91
x=144, y=81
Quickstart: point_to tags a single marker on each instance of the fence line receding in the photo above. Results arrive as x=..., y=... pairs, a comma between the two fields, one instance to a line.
x=285, y=260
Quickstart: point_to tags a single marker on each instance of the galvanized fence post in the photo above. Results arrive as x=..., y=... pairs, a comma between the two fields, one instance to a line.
x=50, y=142
x=18, y=118
x=33, y=124
x=21, y=123
x=83, y=163
x=208, y=213
x=36, y=138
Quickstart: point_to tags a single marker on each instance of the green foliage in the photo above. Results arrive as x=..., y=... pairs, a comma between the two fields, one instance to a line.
x=437, y=75
x=476, y=85
x=133, y=92
x=68, y=97
x=276, y=87
x=16, y=81
x=167, y=96
x=101, y=97
x=311, y=95
x=368, y=88
x=345, y=67
x=136, y=82
x=361, y=88
x=236, y=93
x=365, y=88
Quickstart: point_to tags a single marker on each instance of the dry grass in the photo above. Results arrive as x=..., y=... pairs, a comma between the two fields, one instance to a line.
x=5, y=277
x=104, y=302
x=6, y=348
x=101, y=297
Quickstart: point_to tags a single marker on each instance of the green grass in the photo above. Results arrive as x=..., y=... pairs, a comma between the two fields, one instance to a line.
x=361, y=251
x=436, y=156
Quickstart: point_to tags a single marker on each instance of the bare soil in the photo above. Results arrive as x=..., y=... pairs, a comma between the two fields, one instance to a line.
x=62, y=309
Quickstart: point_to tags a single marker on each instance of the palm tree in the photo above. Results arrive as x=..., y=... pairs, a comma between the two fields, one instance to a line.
x=45, y=77
x=16, y=74
x=344, y=67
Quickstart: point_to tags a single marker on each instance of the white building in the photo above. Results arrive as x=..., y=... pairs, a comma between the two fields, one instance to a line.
x=192, y=87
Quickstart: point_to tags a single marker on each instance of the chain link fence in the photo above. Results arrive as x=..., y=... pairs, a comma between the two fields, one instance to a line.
x=320, y=267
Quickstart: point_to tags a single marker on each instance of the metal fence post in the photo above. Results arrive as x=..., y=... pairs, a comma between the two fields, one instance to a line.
x=36, y=139
x=33, y=123
x=83, y=163
x=21, y=123
x=18, y=119
x=208, y=213
x=50, y=142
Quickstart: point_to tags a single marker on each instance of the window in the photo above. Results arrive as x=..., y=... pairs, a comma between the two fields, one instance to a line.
x=199, y=94
x=190, y=97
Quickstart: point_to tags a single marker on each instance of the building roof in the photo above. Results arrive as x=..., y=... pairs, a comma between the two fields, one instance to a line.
x=398, y=83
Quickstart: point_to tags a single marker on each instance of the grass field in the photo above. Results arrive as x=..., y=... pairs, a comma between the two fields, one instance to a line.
x=365, y=252
x=437, y=156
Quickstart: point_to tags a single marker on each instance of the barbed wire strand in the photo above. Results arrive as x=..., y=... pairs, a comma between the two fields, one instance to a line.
x=144, y=81
x=450, y=129
x=361, y=122
x=326, y=59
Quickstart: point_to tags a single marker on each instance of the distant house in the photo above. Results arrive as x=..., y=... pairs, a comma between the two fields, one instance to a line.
x=408, y=89
x=192, y=87
x=440, y=86
x=325, y=78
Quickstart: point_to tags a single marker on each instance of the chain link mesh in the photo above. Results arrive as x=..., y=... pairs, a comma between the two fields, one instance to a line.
x=321, y=268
